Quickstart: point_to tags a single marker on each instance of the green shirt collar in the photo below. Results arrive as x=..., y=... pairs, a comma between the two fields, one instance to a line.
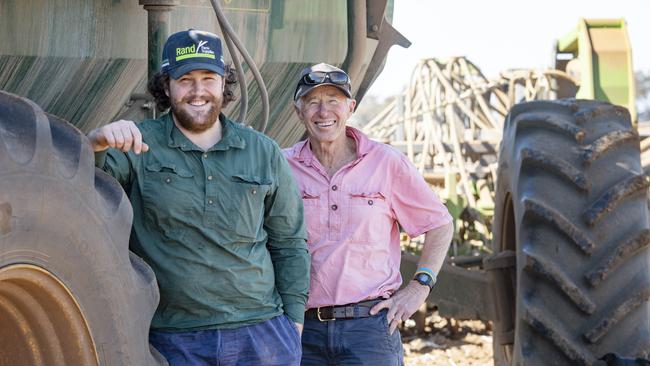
x=230, y=137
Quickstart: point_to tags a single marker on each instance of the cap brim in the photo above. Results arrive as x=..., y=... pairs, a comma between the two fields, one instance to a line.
x=184, y=69
x=304, y=89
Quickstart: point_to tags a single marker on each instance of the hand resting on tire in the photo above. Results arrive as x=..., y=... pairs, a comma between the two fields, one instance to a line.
x=122, y=135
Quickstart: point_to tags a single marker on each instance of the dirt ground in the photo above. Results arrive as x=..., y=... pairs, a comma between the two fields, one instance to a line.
x=448, y=343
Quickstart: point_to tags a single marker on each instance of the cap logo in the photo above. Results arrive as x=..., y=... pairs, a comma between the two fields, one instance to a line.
x=193, y=51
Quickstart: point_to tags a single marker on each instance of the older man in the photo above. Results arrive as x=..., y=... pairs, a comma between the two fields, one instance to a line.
x=216, y=215
x=357, y=194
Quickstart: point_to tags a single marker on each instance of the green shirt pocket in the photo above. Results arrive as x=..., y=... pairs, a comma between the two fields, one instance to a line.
x=167, y=192
x=246, y=202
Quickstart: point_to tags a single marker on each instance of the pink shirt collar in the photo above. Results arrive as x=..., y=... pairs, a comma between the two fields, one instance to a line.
x=303, y=153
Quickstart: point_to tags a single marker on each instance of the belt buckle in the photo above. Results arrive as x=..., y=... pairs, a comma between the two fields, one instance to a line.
x=321, y=319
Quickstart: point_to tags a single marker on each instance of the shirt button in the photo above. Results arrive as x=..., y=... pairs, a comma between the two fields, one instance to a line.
x=209, y=202
x=205, y=156
x=370, y=202
x=209, y=177
x=334, y=188
x=334, y=207
x=253, y=191
x=168, y=180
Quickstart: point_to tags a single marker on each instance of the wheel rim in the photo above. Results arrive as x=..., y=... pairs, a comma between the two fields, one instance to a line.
x=40, y=321
x=509, y=242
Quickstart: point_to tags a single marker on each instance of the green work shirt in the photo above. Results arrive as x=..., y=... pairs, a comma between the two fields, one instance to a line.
x=223, y=229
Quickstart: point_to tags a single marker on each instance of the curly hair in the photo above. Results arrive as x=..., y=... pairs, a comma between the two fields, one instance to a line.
x=160, y=81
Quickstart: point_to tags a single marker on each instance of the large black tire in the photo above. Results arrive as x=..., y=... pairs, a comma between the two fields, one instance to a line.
x=71, y=293
x=571, y=203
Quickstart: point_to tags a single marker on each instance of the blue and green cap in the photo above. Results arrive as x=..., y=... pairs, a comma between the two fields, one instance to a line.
x=192, y=50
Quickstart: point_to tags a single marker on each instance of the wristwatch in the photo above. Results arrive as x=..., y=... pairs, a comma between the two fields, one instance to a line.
x=425, y=279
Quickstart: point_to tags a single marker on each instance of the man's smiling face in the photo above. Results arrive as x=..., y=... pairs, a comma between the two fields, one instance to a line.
x=196, y=99
x=324, y=112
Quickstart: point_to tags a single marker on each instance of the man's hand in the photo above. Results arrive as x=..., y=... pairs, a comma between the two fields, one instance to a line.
x=402, y=304
x=122, y=135
x=299, y=326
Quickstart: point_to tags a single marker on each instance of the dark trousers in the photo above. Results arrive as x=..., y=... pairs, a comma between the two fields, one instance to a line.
x=269, y=343
x=360, y=341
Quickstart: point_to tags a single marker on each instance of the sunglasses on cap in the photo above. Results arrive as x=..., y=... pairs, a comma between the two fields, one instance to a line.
x=320, y=77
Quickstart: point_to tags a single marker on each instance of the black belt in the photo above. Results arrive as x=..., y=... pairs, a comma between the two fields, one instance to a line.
x=349, y=311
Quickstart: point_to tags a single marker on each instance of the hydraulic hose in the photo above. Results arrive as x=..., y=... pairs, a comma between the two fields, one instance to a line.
x=231, y=37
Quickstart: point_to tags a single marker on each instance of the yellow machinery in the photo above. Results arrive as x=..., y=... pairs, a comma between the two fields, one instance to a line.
x=597, y=53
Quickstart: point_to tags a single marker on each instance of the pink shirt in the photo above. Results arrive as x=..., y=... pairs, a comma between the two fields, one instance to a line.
x=352, y=219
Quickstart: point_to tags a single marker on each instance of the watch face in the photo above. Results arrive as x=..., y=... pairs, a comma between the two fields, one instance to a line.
x=424, y=279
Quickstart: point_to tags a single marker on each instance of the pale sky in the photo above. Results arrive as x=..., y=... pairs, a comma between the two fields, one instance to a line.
x=499, y=34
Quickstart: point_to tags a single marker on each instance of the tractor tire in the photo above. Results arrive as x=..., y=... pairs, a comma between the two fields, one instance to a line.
x=71, y=292
x=571, y=214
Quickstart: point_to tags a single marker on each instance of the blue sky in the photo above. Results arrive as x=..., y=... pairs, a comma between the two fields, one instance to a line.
x=499, y=34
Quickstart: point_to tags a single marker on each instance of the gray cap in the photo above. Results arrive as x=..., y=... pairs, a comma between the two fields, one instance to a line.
x=304, y=86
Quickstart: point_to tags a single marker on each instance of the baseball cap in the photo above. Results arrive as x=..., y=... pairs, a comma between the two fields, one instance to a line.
x=322, y=74
x=190, y=50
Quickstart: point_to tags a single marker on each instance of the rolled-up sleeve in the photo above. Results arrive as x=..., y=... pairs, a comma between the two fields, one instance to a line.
x=415, y=205
x=115, y=163
x=287, y=240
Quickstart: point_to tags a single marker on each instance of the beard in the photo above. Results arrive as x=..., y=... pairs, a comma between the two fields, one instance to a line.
x=193, y=121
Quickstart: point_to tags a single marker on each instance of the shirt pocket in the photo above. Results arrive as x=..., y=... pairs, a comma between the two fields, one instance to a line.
x=246, y=196
x=368, y=214
x=167, y=192
x=312, y=203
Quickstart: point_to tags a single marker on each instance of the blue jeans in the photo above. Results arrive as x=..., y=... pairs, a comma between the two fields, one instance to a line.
x=269, y=343
x=360, y=341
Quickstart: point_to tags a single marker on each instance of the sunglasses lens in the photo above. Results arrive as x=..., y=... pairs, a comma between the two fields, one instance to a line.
x=316, y=77
x=339, y=78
